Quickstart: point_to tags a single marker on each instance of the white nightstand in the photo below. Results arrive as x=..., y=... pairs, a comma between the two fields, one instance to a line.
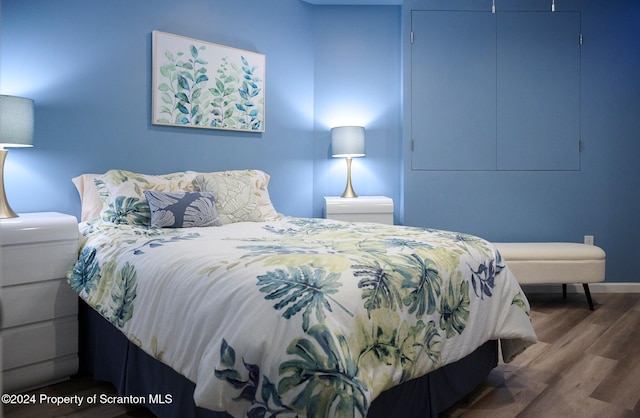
x=39, y=309
x=360, y=209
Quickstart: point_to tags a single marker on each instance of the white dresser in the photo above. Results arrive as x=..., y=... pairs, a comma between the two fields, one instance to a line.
x=39, y=309
x=377, y=209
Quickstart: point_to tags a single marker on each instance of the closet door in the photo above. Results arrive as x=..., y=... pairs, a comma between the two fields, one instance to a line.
x=453, y=90
x=495, y=91
x=538, y=97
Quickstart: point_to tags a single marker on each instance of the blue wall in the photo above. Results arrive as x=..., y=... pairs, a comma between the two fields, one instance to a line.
x=87, y=65
x=357, y=82
x=601, y=199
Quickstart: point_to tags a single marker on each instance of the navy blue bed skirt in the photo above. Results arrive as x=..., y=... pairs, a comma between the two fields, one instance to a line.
x=109, y=356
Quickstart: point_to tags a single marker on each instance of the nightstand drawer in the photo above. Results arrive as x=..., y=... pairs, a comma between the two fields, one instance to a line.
x=46, y=300
x=35, y=343
x=36, y=262
x=39, y=227
x=378, y=209
x=379, y=218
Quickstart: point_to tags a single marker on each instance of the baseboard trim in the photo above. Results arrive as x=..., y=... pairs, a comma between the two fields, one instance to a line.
x=577, y=288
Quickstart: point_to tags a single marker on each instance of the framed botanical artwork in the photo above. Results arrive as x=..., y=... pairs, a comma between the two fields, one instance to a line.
x=204, y=85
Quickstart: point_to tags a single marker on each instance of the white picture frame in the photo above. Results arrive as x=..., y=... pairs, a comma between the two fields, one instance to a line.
x=200, y=84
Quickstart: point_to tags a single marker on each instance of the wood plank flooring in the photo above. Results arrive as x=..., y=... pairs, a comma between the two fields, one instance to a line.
x=586, y=364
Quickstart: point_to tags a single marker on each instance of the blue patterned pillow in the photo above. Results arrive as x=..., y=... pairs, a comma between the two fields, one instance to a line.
x=182, y=209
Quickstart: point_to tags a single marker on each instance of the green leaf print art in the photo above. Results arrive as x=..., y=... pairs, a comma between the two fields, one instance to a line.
x=205, y=85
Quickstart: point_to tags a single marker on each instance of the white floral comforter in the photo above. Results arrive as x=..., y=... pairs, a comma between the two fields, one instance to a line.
x=301, y=317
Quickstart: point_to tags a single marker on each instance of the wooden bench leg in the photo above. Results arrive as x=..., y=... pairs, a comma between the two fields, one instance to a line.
x=588, y=293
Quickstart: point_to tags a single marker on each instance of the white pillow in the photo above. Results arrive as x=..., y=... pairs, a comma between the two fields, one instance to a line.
x=122, y=193
x=90, y=202
x=240, y=195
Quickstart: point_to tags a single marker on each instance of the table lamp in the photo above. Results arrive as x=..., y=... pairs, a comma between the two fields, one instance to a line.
x=347, y=142
x=16, y=130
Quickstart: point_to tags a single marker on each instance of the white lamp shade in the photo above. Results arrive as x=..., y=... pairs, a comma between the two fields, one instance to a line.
x=16, y=121
x=347, y=141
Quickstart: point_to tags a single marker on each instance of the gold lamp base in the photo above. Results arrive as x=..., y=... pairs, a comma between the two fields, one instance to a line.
x=5, y=210
x=348, y=190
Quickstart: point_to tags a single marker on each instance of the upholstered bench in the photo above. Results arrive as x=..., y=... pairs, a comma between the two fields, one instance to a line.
x=554, y=262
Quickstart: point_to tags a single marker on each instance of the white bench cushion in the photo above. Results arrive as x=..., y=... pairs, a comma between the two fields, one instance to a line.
x=553, y=262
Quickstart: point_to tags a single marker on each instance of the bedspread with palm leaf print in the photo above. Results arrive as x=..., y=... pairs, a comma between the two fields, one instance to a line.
x=301, y=317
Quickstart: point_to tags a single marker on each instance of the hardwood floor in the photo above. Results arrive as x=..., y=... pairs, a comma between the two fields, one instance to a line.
x=586, y=364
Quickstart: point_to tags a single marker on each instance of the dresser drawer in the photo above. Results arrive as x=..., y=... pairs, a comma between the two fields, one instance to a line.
x=39, y=374
x=40, y=310
x=39, y=342
x=34, y=262
x=47, y=300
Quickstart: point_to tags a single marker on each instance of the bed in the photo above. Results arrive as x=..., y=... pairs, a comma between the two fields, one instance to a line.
x=200, y=299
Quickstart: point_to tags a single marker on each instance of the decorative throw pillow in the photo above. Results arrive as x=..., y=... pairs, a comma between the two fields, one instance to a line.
x=182, y=209
x=241, y=195
x=122, y=193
